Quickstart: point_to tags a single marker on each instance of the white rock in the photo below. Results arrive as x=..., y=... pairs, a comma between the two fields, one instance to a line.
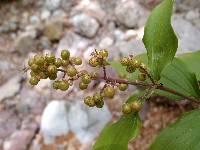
x=106, y=42
x=54, y=121
x=45, y=14
x=10, y=88
x=85, y=25
x=52, y=4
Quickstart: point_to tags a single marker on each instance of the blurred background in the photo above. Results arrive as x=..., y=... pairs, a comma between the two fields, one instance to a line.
x=29, y=26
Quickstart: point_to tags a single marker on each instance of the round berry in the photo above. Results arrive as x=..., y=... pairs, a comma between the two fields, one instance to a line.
x=126, y=108
x=43, y=75
x=123, y=87
x=94, y=75
x=50, y=58
x=83, y=86
x=33, y=73
x=52, y=76
x=39, y=60
x=97, y=97
x=56, y=84
x=86, y=79
x=31, y=62
x=135, y=63
x=52, y=69
x=136, y=106
x=77, y=61
x=63, y=85
x=71, y=71
x=33, y=80
x=100, y=104
x=109, y=92
x=89, y=101
x=125, y=61
x=34, y=68
x=58, y=62
x=65, y=54
x=103, y=53
x=142, y=77
x=65, y=63
x=130, y=69
x=93, y=62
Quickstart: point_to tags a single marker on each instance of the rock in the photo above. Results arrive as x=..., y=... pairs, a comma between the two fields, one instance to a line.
x=128, y=13
x=185, y=5
x=10, y=88
x=83, y=120
x=85, y=25
x=187, y=34
x=25, y=43
x=10, y=26
x=44, y=43
x=194, y=17
x=45, y=14
x=54, y=121
x=106, y=42
x=52, y=4
x=53, y=29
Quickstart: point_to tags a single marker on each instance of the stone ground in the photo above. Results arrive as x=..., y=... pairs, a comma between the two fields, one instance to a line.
x=28, y=27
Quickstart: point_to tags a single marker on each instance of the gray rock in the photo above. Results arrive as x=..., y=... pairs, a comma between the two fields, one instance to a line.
x=85, y=25
x=25, y=43
x=188, y=35
x=53, y=29
x=10, y=88
x=83, y=120
x=54, y=121
x=128, y=13
x=185, y=5
x=52, y=4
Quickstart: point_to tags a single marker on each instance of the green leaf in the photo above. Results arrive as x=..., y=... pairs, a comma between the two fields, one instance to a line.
x=117, y=135
x=178, y=77
x=181, y=135
x=159, y=38
x=192, y=60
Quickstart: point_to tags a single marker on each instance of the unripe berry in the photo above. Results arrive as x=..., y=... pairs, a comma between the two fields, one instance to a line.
x=135, y=63
x=71, y=71
x=58, y=62
x=103, y=53
x=136, y=106
x=142, y=77
x=39, y=60
x=52, y=76
x=97, y=97
x=77, y=61
x=33, y=73
x=65, y=54
x=31, y=62
x=125, y=61
x=99, y=104
x=50, y=58
x=126, y=108
x=93, y=62
x=89, y=101
x=94, y=75
x=63, y=85
x=65, y=63
x=122, y=87
x=52, y=69
x=109, y=92
x=55, y=84
x=83, y=86
x=35, y=68
x=130, y=69
x=86, y=79
x=33, y=80
x=43, y=75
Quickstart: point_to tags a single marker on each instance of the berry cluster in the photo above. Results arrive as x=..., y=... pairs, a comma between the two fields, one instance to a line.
x=132, y=64
x=48, y=66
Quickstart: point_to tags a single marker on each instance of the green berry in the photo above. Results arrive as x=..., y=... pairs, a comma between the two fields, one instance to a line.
x=58, y=62
x=97, y=97
x=31, y=62
x=65, y=63
x=89, y=101
x=32, y=73
x=65, y=54
x=52, y=76
x=50, y=58
x=135, y=63
x=77, y=61
x=126, y=108
x=86, y=79
x=56, y=84
x=109, y=92
x=93, y=62
x=52, y=69
x=103, y=53
x=35, y=68
x=39, y=60
x=71, y=71
x=142, y=77
x=33, y=80
x=125, y=61
x=122, y=87
x=130, y=69
x=94, y=75
x=100, y=104
x=63, y=85
x=83, y=86
x=136, y=106
x=43, y=75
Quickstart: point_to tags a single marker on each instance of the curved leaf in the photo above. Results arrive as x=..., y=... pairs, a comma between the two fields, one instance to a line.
x=159, y=38
x=182, y=135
